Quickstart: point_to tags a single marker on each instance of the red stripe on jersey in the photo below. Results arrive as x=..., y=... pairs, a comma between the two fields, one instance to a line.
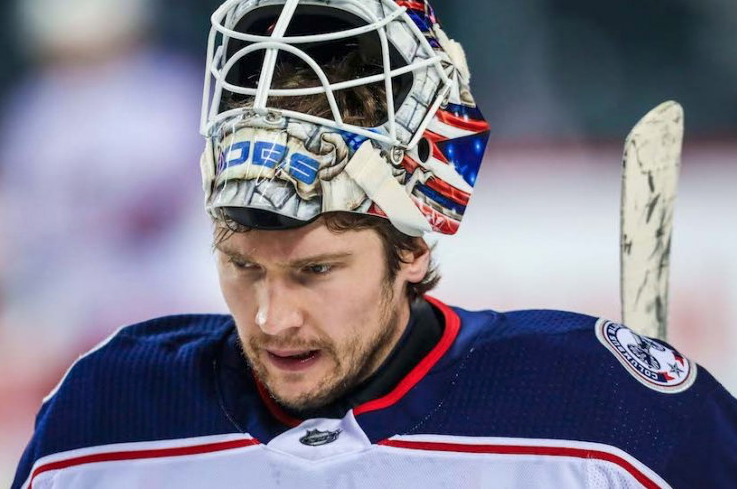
x=139, y=454
x=525, y=450
x=452, y=326
x=274, y=408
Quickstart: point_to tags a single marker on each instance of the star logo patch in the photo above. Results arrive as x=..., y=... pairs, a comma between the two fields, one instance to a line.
x=652, y=363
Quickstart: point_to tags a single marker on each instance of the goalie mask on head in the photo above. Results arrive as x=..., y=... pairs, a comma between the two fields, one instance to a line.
x=269, y=165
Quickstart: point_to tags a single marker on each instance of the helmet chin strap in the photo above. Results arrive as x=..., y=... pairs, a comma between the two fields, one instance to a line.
x=371, y=172
x=207, y=169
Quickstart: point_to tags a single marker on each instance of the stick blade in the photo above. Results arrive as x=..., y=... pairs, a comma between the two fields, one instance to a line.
x=651, y=164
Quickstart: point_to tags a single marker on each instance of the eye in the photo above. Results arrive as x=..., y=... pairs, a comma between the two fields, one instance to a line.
x=318, y=269
x=242, y=265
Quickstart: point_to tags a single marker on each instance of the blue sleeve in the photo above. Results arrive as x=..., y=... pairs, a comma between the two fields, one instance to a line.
x=707, y=455
x=29, y=455
x=149, y=381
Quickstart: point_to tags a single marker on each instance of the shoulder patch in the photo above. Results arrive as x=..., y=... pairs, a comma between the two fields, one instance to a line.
x=651, y=362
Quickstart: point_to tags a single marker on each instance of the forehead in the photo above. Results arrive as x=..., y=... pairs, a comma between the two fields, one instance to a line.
x=311, y=240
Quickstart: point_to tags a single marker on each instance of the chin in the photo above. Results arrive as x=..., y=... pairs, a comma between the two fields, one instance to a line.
x=302, y=397
x=300, y=402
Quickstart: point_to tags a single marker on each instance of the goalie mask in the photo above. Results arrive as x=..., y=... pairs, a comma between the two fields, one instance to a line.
x=315, y=106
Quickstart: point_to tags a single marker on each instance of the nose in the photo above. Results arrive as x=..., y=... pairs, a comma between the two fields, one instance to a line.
x=278, y=308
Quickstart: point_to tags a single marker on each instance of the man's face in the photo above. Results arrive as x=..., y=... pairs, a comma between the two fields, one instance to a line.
x=315, y=310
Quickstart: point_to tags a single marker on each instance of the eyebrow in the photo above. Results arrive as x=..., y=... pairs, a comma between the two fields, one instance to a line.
x=299, y=263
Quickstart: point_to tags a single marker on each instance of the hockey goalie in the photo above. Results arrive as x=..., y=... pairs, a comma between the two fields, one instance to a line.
x=338, y=134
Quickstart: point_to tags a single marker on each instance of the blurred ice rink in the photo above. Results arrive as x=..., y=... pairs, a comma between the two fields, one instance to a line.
x=101, y=220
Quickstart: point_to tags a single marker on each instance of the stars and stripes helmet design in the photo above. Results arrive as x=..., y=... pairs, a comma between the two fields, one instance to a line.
x=274, y=159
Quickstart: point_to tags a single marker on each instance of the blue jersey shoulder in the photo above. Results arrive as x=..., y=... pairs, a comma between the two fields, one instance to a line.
x=178, y=329
x=541, y=322
x=589, y=343
x=560, y=375
x=148, y=381
x=157, y=343
x=603, y=354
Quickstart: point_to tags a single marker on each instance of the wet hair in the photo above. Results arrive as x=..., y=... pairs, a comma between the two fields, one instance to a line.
x=364, y=106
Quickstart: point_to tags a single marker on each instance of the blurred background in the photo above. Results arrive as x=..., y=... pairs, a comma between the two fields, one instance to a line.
x=101, y=220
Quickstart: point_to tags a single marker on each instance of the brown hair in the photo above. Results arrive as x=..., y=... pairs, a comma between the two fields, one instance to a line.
x=365, y=106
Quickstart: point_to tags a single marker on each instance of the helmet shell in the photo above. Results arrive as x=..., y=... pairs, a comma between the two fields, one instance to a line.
x=417, y=168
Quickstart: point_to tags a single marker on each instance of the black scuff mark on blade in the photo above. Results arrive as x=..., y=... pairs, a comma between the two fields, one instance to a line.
x=643, y=284
x=660, y=314
x=627, y=245
x=664, y=261
x=626, y=154
x=652, y=203
x=658, y=245
x=661, y=235
x=638, y=158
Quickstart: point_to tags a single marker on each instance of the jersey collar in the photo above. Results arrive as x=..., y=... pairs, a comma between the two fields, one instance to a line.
x=422, y=367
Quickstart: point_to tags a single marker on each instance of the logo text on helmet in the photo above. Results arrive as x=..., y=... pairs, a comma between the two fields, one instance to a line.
x=270, y=155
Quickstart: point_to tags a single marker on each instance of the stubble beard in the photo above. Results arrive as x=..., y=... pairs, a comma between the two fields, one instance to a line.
x=358, y=362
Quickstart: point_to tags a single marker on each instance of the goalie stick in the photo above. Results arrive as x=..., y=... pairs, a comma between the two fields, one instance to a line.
x=650, y=167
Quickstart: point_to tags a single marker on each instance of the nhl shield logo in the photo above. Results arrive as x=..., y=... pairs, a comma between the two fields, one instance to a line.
x=652, y=363
x=315, y=438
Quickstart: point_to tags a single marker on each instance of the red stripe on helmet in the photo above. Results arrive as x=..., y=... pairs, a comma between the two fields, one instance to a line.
x=462, y=122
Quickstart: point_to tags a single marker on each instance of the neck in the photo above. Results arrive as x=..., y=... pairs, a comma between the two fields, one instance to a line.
x=396, y=325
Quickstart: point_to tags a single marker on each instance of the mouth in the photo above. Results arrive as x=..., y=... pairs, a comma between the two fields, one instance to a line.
x=293, y=360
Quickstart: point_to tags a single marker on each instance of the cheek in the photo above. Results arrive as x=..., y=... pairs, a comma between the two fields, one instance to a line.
x=349, y=309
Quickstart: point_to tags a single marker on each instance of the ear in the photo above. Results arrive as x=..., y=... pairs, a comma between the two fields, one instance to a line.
x=416, y=262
